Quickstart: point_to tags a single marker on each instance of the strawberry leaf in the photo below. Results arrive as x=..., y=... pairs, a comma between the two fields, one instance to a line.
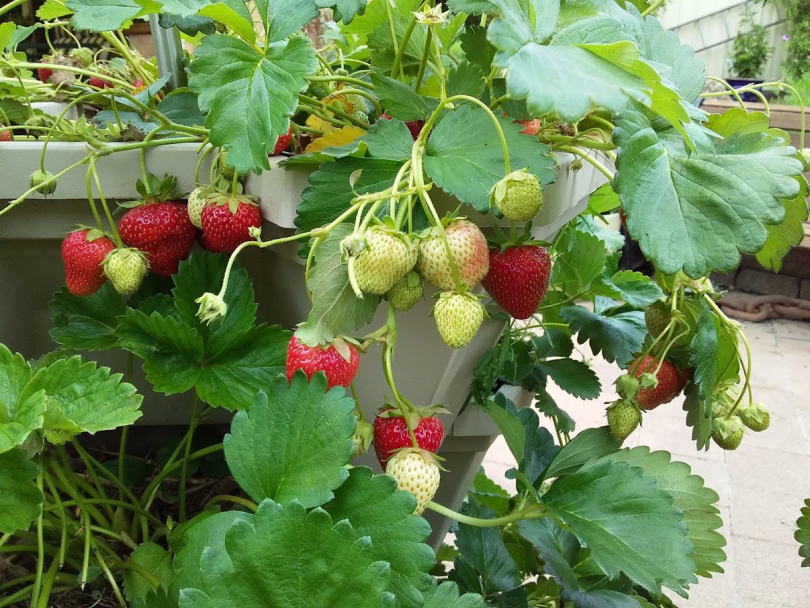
x=336, y=310
x=708, y=205
x=692, y=497
x=474, y=7
x=157, y=561
x=590, y=443
x=447, y=595
x=293, y=443
x=465, y=79
x=344, y=10
x=249, y=96
x=376, y=510
x=581, y=257
x=629, y=524
x=284, y=556
x=465, y=158
x=638, y=290
x=389, y=140
x=574, y=377
x=617, y=336
x=802, y=534
x=87, y=323
x=107, y=15
x=399, y=100
x=787, y=234
x=20, y=499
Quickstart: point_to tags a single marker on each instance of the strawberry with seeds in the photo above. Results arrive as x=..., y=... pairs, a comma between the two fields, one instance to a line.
x=417, y=472
x=340, y=361
x=83, y=253
x=283, y=142
x=669, y=381
x=469, y=249
x=518, y=278
x=391, y=432
x=227, y=219
x=5, y=133
x=458, y=318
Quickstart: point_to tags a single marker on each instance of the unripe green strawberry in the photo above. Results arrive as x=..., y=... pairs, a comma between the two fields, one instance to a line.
x=362, y=437
x=388, y=255
x=805, y=157
x=406, y=292
x=657, y=318
x=197, y=199
x=623, y=418
x=416, y=472
x=126, y=269
x=470, y=252
x=728, y=432
x=360, y=115
x=223, y=168
x=357, y=103
x=44, y=181
x=756, y=417
x=458, y=317
x=518, y=196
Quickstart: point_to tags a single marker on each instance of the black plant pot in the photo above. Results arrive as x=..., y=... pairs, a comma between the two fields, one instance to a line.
x=738, y=83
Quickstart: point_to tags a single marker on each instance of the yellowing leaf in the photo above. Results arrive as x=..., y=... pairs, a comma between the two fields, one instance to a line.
x=315, y=122
x=337, y=137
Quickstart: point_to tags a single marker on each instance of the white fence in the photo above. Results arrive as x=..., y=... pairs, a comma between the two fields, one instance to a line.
x=710, y=26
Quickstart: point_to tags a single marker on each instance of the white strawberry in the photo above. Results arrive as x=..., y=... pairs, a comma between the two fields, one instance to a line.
x=386, y=257
x=126, y=269
x=197, y=199
x=416, y=471
x=458, y=317
x=470, y=252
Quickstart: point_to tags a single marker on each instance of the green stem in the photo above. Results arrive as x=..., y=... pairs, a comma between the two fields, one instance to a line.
x=41, y=598
x=143, y=572
x=423, y=63
x=365, y=94
x=534, y=511
x=12, y=5
x=17, y=597
x=396, y=67
x=114, y=503
x=390, y=15
x=169, y=469
x=75, y=70
x=338, y=78
x=113, y=227
x=88, y=185
x=587, y=157
x=184, y=470
x=249, y=504
x=111, y=578
x=802, y=113
x=651, y=9
x=40, y=546
x=62, y=514
x=124, y=51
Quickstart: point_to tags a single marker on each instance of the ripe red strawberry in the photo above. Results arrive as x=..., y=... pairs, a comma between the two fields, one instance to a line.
x=83, y=252
x=518, y=278
x=226, y=221
x=671, y=381
x=44, y=74
x=414, y=126
x=532, y=126
x=163, y=231
x=5, y=134
x=139, y=85
x=283, y=142
x=99, y=83
x=391, y=434
x=339, y=370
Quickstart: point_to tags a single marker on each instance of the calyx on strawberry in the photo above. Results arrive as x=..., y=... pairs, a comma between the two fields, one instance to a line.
x=227, y=220
x=518, y=278
x=656, y=387
x=126, y=269
x=385, y=256
x=417, y=472
x=727, y=432
x=458, y=318
x=391, y=431
x=518, y=196
x=469, y=248
x=340, y=361
x=362, y=437
x=755, y=416
x=42, y=180
x=83, y=252
x=161, y=229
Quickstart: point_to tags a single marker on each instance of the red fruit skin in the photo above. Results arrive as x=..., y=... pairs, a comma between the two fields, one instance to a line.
x=339, y=372
x=99, y=83
x=283, y=142
x=84, y=274
x=5, y=133
x=518, y=278
x=391, y=434
x=163, y=231
x=532, y=126
x=139, y=85
x=44, y=74
x=414, y=126
x=671, y=381
x=225, y=231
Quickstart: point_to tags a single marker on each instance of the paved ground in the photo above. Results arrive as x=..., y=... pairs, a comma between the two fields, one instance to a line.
x=761, y=486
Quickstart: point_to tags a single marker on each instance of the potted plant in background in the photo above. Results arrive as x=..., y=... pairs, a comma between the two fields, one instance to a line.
x=408, y=108
x=750, y=53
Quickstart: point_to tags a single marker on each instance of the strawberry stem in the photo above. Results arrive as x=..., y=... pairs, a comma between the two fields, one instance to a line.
x=587, y=157
x=533, y=511
x=195, y=414
x=114, y=228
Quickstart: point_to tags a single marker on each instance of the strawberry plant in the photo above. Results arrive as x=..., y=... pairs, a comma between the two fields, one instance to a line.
x=431, y=133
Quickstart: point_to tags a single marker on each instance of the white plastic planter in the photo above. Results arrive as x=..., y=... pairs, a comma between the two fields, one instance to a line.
x=425, y=369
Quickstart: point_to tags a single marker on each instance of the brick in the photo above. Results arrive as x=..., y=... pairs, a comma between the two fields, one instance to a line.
x=804, y=291
x=797, y=263
x=767, y=283
x=727, y=280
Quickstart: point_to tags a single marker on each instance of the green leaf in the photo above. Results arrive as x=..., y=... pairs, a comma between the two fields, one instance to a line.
x=157, y=561
x=17, y=423
x=540, y=448
x=698, y=417
x=171, y=350
x=574, y=377
x=377, y=511
x=108, y=15
x=787, y=234
x=488, y=493
x=580, y=259
x=87, y=323
x=447, y=595
x=477, y=49
x=708, y=205
x=389, y=140
x=546, y=404
x=503, y=413
x=336, y=310
x=6, y=32
x=465, y=79
x=629, y=524
x=282, y=18
x=474, y=7
x=557, y=547
x=589, y=444
x=400, y=100
x=484, y=550
x=638, y=290
x=802, y=534
x=293, y=442
x=249, y=97
x=224, y=14
x=180, y=107
x=89, y=397
x=52, y=9
x=376, y=15
x=330, y=193
x=714, y=352
x=344, y=10
x=464, y=156
x=603, y=199
x=15, y=373
x=692, y=497
x=20, y=498
x=155, y=598
x=284, y=556
x=617, y=337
